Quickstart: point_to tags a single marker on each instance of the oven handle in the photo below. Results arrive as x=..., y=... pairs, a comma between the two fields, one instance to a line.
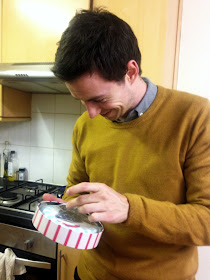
x=31, y=263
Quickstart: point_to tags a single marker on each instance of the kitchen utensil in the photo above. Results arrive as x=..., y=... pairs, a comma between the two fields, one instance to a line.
x=66, y=226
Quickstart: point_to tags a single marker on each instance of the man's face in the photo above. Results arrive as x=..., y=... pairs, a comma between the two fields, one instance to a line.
x=110, y=99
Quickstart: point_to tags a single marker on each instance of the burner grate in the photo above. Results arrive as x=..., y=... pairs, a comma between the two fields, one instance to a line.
x=24, y=195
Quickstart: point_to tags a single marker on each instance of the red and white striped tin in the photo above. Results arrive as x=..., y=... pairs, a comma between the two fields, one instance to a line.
x=67, y=227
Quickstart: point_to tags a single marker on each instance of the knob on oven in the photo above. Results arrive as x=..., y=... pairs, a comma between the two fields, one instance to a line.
x=28, y=244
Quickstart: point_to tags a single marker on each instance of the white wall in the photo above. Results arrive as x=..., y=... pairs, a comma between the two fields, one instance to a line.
x=194, y=74
x=194, y=60
x=44, y=144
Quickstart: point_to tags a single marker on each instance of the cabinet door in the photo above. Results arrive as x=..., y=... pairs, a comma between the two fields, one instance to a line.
x=67, y=261
x=32, y=28
x=155, y=26
x=15, y=105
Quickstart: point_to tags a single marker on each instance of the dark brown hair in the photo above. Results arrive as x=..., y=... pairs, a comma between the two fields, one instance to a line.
x=96, y=41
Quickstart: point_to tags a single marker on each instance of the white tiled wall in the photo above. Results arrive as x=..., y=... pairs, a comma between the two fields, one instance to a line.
x=44, y=145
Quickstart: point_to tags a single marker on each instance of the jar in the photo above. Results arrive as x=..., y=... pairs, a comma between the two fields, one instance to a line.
x=22, y=174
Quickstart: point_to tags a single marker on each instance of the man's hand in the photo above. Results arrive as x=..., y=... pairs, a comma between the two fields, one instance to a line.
x=102, y=202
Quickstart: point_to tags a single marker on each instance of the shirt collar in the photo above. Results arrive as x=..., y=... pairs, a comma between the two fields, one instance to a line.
x=144, y=104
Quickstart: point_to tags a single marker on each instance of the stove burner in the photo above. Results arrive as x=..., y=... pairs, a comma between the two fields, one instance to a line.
x=7, y=196
x=31, y=187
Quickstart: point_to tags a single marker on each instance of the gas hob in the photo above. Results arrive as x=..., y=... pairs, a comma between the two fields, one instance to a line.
x=19, y=199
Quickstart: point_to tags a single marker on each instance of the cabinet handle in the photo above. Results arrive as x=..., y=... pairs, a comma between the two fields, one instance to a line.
x=60, y=256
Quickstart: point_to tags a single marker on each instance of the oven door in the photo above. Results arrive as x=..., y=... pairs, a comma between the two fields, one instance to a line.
x=37, y=267
x=32, y=249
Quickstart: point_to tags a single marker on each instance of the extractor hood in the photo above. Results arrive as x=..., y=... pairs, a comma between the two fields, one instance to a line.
x=31, y=77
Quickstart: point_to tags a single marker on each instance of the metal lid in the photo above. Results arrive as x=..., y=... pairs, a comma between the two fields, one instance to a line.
x=58, y=213
x=66, y=226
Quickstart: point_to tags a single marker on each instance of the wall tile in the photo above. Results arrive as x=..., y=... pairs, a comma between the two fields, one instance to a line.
x=41, y=164
x=19, y=133
x=64, y=125
x=62, y=160
x=44, y=103
x=42, y=130
x=23, y=155
x=44, y=144
x=66, y=104
x=4, y=132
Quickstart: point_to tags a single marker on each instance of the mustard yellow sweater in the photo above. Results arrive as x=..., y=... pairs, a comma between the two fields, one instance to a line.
x=161, y=163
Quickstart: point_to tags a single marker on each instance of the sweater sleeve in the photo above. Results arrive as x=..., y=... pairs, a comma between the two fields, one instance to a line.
x=182, y=224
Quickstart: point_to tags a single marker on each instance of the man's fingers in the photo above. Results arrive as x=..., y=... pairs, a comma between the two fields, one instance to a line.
x=50, y=197
x=103, y=217
x=84, y=187
x=92, y=207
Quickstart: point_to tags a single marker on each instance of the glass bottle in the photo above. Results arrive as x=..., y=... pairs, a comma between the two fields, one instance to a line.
x=5, y=159
x=12, y=166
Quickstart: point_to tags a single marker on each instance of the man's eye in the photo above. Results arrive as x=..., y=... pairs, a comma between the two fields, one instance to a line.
x=100, y=100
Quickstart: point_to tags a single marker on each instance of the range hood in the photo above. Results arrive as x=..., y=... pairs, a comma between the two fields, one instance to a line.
x=31, y=77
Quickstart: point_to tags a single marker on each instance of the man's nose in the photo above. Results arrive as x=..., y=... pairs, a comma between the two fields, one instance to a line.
x=92, y=108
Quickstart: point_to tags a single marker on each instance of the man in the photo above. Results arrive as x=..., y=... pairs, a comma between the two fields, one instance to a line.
x=141, y=157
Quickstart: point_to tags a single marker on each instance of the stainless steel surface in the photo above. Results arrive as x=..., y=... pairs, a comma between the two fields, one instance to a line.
x=59, y=214
x=16, y=237
x=31, y=77
x=28, y=244
x=60, y=256
x=25, y=195
x=31, y=263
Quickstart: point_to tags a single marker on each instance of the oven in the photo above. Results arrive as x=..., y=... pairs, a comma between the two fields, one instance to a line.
x=18, y=202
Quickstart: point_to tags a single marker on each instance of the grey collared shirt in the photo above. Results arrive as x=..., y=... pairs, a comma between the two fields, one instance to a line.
x=144, y=104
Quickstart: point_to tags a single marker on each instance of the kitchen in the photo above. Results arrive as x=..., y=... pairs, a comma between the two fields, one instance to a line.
x=44, y=143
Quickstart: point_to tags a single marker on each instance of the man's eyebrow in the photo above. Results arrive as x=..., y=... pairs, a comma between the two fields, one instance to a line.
x=96, y=98
x=91, y=99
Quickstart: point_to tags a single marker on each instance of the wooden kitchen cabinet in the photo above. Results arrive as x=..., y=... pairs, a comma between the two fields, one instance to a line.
x=15, y=105
x=156, y=26
x=29, y=32
x=67, y=261
x=32, y=28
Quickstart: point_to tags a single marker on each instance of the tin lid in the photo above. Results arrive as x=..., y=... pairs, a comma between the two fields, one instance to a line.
x=66, y=226
x=59, y=214
x=22, y=169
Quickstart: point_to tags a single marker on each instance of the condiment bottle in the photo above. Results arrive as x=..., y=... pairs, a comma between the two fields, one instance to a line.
x=12, y=166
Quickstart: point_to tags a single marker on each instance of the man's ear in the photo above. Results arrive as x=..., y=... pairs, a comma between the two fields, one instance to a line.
x=133, y=71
